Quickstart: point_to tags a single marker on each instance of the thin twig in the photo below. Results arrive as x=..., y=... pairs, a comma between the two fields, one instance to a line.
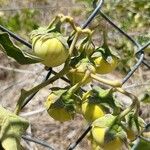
x=22, y=8
x=144, y=138
x=38, y=141
x=11, y=85
x=38, y=7
x=31, y=113
x=17, y=70
x=136, y=85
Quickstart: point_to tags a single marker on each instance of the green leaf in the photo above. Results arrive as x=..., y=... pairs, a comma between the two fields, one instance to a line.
x=146, y=97
x=15, y=52
x=141, y=145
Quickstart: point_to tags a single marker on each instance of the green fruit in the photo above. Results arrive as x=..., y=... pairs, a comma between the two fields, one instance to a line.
x=99, y=136
x=60, y=114
x=90, y=110
x=86, y=47
x=131, y=135
x=134, y=126
x=80, y=69
x=107, y=134
x=103, y=66
x=50, y=49
x=57, y=108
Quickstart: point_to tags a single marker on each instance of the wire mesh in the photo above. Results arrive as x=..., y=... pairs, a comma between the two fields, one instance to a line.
x=97, y=10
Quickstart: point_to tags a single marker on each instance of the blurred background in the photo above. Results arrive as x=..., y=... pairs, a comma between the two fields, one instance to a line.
x=21, y=17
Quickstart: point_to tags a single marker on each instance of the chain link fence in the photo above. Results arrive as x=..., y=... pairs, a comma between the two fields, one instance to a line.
x=139, y=53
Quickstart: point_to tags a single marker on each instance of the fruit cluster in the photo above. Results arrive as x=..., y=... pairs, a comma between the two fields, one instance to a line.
x=83, y=62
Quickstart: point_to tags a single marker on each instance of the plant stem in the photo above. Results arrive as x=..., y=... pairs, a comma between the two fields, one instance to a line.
x=56, y=19
x=73, y=43
x=70, y=20
x=79, y=84
x=25, y=94
x=105, y=81
x=135, y=103
x=63, y=19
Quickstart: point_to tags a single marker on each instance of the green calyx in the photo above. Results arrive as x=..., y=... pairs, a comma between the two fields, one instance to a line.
x=51, y=46
x=112, y=129
x=46, y=36
x=106, y=98
x=114, y=132
x=104, y=51
x=79, y=69
x=86, y=47
x=134, y=123
x=60, y=105
x=54, y=27
x=83, y=65
x=12, y=127
x=105, y=121
x=61, y=99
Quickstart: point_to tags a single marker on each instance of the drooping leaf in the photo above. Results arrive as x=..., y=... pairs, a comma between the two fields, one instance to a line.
x=146, y=97
x=15, y=52
x=141, y=145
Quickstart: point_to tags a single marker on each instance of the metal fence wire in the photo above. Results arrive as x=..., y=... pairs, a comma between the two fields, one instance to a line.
x=139, y=54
